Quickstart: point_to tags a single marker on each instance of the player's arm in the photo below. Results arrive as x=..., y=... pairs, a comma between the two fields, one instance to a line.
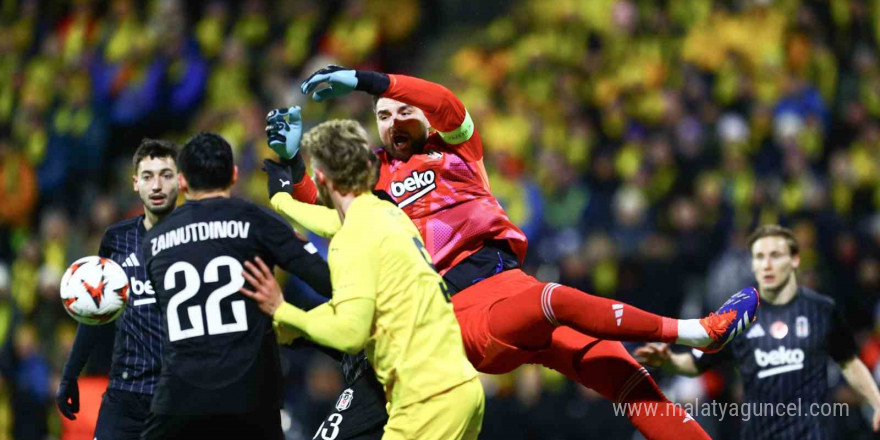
x=293, y=254
x=84, y=343
x=843, y=349
x=342, y=324
x=860, y=379
x=659, y=355
x=283, y=134
x=321, y=220
x=444, y=111
x=318, y=219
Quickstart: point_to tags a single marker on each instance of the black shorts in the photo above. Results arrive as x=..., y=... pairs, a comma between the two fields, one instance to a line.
x=359, y=414
x=123, y=415
x=259, y=425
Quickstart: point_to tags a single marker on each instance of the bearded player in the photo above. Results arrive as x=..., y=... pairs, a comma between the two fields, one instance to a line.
x=431, y=166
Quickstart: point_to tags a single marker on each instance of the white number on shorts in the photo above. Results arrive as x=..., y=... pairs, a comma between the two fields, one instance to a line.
x=192, y=283
x=334, y=420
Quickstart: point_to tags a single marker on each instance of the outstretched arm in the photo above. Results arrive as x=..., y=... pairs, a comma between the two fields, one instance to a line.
x=318, y=219
x=343, y=326
x=284, y=133
x=659, y=355
x=444, y=111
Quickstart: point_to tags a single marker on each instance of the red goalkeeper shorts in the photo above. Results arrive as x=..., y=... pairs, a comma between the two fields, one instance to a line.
x=473, y=307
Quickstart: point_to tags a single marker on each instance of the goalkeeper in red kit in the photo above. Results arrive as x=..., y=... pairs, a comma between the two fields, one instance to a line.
x=431, y=166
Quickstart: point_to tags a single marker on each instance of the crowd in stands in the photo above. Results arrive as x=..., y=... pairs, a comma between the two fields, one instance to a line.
x=636, y=142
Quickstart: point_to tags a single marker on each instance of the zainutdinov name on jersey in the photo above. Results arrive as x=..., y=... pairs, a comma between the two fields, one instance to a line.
x=200, y=231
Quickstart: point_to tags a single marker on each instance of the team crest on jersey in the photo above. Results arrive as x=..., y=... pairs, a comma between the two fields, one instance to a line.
x=434, y=155
x=778, y=329
x=345, y=400
x=801, y=327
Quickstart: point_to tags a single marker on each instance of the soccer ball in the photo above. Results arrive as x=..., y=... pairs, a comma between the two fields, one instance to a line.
x=94, y=290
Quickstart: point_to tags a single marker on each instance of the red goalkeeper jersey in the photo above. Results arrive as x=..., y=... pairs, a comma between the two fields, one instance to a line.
x=444, y=189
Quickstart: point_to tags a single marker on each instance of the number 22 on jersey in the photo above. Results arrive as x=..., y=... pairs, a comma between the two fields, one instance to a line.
x=192, y=281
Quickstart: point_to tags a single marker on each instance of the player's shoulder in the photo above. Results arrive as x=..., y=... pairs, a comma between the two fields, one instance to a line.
x=375, y=212
x=261, y=213
x=122, y=236
x=124, y=226
x=817, y=298
x=370, y=218
x=435, y=147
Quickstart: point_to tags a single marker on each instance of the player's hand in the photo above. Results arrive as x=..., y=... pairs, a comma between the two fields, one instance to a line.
x=279, y=179
x=654, y=355
x=338, y=81
x=67, y=397
x=284, y=131
x=267, y=292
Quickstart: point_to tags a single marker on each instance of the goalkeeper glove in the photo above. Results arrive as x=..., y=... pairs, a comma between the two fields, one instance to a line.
x=284, y=131
x=340, y=81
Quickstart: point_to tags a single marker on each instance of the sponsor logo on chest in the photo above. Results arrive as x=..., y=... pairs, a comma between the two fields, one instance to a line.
x=418, y=183
x=140, y=288
x=778, y=361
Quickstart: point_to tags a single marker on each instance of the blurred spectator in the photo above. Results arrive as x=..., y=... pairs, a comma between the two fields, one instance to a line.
x=18, y=187
x=31, y=396
x=632, y=141
x=9, y=318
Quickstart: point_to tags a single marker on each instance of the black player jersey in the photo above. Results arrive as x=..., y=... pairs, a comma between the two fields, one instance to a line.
x=138, y=341
x=783, y=358
x=220, y=353
x=359, y=413
x=354, y=366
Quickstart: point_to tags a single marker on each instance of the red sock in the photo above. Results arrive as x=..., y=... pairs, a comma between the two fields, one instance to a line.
x=527, y=319
x=607, y=368
x=656, y=417
x=604, y=318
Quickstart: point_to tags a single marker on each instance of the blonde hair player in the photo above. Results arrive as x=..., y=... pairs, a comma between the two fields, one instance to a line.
x=387, y=297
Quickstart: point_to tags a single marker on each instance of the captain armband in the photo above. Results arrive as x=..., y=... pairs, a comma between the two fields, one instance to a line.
x=461, y=134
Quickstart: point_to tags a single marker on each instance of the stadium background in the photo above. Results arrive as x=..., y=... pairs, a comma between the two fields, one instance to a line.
x=635, y=142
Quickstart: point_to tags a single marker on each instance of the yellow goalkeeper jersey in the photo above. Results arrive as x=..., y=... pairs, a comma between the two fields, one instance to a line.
x=414, y=343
